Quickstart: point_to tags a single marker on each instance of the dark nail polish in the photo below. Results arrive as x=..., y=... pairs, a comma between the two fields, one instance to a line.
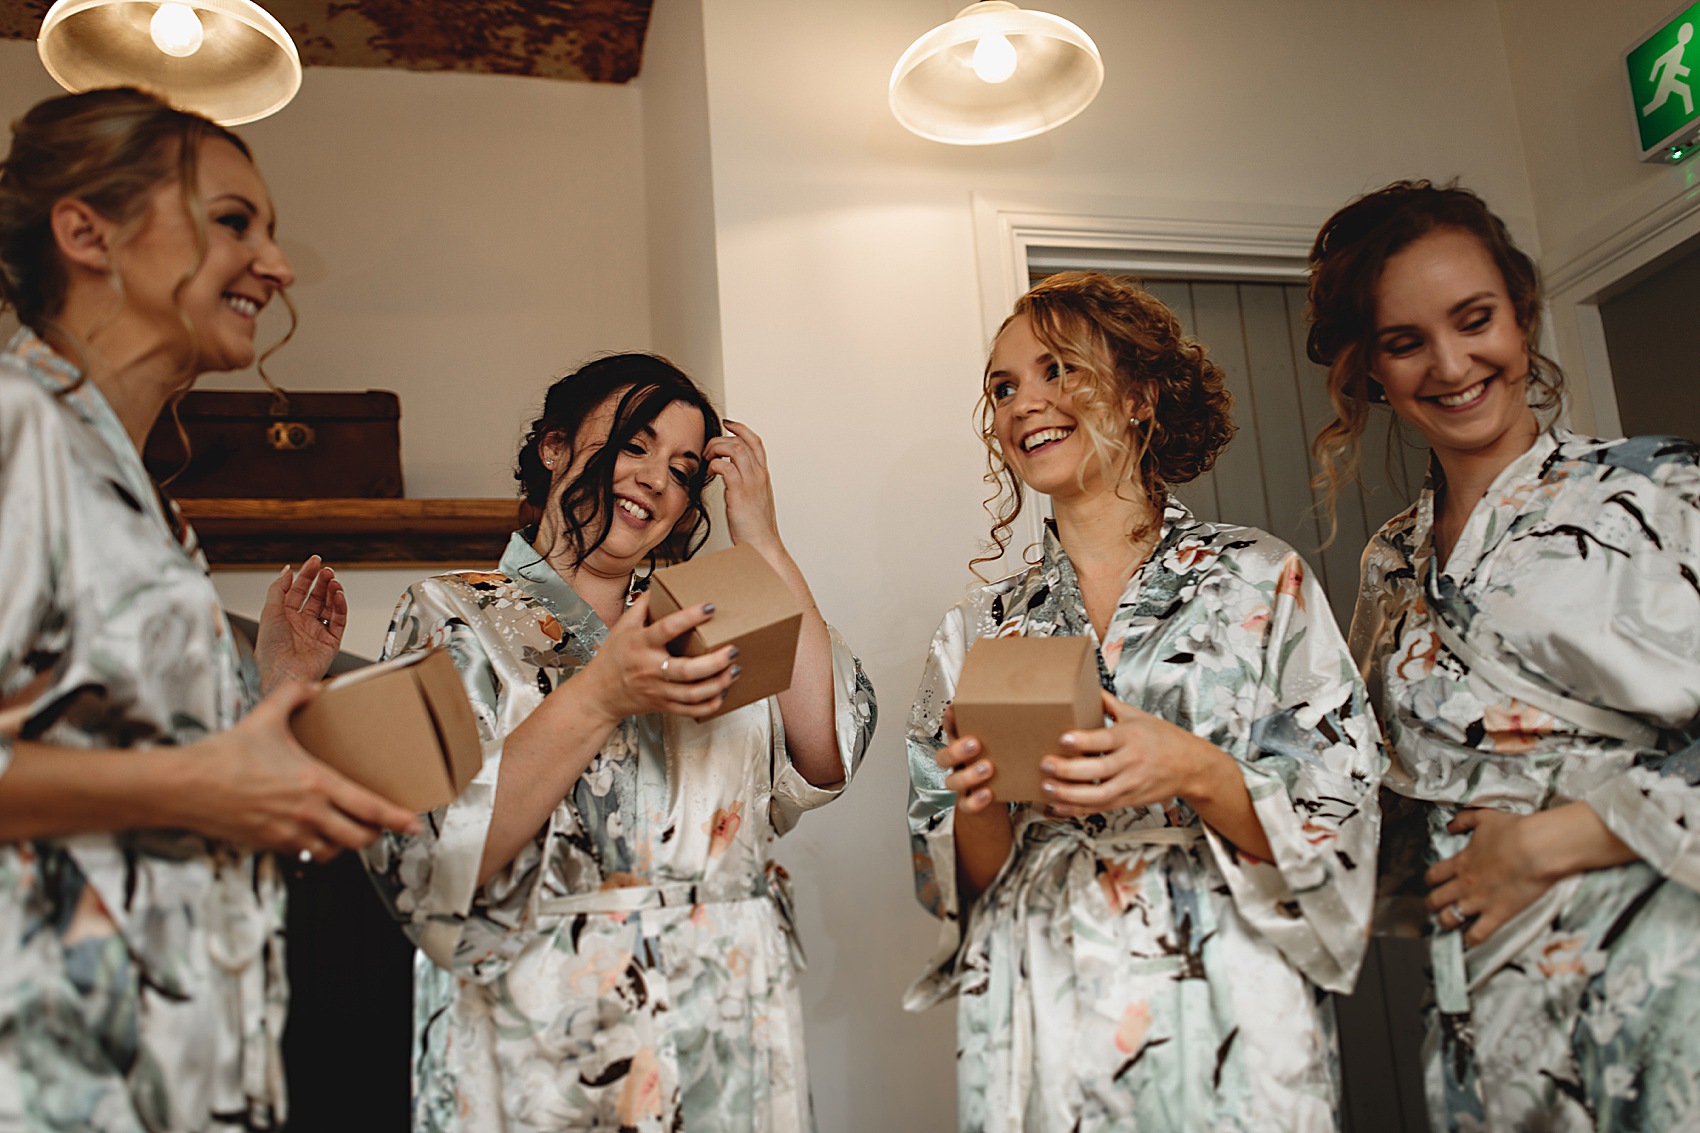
x=733, y=656
x=736, y=670
x=708, y=607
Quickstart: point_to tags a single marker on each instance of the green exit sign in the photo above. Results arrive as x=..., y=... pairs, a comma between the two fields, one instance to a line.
x=1663, y=91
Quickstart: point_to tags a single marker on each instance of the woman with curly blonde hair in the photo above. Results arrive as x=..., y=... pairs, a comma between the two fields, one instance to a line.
x=1151, y=948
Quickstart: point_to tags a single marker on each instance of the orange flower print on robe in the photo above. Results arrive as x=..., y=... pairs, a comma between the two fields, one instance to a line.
x=1120, y=881
x=1292, y=579
x=1135, y=1025
x=723, y=828
x=640, y=1094
x=1515, y=727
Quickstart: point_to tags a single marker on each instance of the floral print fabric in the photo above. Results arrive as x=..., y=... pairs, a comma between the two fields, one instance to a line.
x=1133, y=970
x=141, y=973
x=635, y=966
x=1576, y=572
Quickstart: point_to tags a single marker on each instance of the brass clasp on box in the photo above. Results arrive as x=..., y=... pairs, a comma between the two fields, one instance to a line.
x=290, y=436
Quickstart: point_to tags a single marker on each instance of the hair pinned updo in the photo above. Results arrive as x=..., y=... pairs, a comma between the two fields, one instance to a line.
x=1124, y=345
x=108, y=148
x=1346, y=264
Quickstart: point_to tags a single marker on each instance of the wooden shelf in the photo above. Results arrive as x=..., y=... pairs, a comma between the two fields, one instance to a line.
x=240, y=534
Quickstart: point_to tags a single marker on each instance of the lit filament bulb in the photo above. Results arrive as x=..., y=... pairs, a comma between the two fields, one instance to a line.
x=176, y=30
x=994, y=59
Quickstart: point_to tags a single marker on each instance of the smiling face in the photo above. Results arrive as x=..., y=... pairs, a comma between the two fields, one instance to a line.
x=653, y=473
x=242, y=270
x=1449, y=350
x=1035, y=419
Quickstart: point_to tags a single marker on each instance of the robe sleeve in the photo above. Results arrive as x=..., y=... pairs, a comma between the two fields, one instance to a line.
x=932, y=809
x=854, y=714
x=1621, y=629
x=1312, y=761
x=33, y=488
x=430, y=880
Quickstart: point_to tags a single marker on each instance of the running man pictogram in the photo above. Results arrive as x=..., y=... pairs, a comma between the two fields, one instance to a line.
x=1668, y=72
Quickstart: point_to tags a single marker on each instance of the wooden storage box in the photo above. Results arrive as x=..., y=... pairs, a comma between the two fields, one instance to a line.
x=257, y=446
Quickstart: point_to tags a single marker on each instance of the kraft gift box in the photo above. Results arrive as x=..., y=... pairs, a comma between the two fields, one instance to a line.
x=401, y=728
x=753, y=609
x=1017, y=696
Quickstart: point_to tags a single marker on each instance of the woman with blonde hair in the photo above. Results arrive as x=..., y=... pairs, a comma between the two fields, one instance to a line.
x=1151, y=949
x=141, y=968
x=1530, y=633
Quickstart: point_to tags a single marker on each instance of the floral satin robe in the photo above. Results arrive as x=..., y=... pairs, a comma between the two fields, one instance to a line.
x=141, y=974
x=1578, y=571
x=635, y=967
x=1133, y=971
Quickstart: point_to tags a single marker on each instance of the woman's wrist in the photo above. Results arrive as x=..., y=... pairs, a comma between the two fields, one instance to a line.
x=1568, y=840
x=1215, y=776
x=586, y=695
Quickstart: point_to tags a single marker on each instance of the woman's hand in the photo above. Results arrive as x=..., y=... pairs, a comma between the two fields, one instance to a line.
x=253, y=785
x=740, y=460
x=633, y=674
x=984, y=832
x=301, y=625
x=969, y=774
x=1511, y=860
x=1141, y=760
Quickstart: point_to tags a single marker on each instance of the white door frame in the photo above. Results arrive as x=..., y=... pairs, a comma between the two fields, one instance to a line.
x=1007, y=235
x=1577, y=288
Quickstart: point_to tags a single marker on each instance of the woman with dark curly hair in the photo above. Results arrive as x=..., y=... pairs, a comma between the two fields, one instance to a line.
x=1530, y=631
x=1152, y=948
x=605, y=941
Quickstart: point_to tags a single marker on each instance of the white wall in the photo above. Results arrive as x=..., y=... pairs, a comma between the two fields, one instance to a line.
x=853, y=340
x=1565, y=61
x=1604, y=215
x=684, y=298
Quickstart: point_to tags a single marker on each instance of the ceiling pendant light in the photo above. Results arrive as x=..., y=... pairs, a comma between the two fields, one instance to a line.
x=995, y=73
x=227, y=59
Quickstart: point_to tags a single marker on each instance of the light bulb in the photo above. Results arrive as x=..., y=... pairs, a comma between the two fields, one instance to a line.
x=994, y=59
x=176, y=30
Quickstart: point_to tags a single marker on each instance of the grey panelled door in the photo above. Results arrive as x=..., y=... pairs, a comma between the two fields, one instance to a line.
x=1256, y=333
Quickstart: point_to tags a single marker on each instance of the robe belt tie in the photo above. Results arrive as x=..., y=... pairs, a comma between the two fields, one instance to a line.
x=668, y=895
x=1062, y=859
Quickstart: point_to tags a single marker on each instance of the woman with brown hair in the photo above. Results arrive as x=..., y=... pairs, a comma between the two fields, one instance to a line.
x=1150, y=950
x=141, y=970
x=1530, y=633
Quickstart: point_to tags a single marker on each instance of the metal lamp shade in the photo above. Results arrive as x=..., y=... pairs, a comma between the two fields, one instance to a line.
x=246, y=68
x=937, y=93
